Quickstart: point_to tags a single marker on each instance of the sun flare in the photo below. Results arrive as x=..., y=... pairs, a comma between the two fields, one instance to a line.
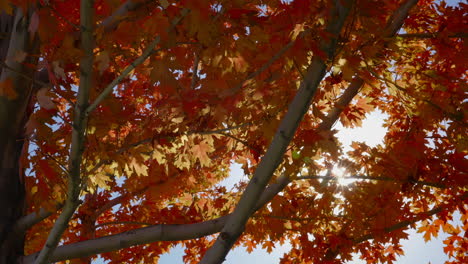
x=340, y=174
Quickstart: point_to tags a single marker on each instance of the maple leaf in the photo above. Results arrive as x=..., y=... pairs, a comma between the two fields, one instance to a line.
x=138, y=167
x=200, y=152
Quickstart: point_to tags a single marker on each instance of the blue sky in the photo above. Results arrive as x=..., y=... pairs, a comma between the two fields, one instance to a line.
x=371, y=132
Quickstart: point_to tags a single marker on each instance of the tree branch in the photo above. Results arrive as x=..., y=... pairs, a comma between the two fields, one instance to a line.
x=152, y=233
x=373, y=178
x=78, y=133
x=331, y=254
x=27, y=221
x=111, y=22
x=273, y=156
x=196, y=61
x=393, y=25
x=432, y=35
x=117, y=200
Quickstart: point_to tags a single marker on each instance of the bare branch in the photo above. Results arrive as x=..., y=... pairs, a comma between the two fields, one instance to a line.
x=152, y=233
x=78, y=133
x=27, y=221
x=196, y=61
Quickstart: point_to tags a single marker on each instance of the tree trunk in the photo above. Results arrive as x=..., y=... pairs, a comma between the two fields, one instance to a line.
x=14, y=113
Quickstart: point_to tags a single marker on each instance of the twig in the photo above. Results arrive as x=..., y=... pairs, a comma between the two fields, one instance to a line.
x=195, y=71
x=148, y=52
x=373, y=178
x=432, y=35
x=3, y=64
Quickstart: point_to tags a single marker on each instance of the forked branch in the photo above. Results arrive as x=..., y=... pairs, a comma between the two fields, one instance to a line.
x=274, y=155
x=78, y=133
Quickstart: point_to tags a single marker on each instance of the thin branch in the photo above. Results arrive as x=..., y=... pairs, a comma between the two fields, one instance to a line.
x=62, y=167
x=432, y=35
x=196, y=61
x=78, y=133
x=331, y=254
x=3, y=64
x=117, y=200
x=261, y=69
x=393, y=25
x=245, y=143
x=372, y=178
x=149, y=140
x=111, y=22
x=62, y=17
x=285, y=218
x=150, y=50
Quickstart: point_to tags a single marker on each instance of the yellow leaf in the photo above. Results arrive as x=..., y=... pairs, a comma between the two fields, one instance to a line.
x=158, y=156
x=100, y=179
x=182, y=162
x=201, y=151
x=139, y=168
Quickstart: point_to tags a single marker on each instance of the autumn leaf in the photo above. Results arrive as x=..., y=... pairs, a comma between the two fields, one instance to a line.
x=200, y=152
x=44, y=99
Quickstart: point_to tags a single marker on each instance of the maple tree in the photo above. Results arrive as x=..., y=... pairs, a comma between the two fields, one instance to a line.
x=118, y=119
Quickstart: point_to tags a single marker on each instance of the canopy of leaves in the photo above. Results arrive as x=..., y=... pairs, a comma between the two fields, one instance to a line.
x=216, y=83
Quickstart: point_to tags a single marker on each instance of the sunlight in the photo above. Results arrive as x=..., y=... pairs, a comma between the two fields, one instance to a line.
x=340, y=174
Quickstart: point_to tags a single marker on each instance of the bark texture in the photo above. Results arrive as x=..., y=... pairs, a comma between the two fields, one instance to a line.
x=14, y=113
